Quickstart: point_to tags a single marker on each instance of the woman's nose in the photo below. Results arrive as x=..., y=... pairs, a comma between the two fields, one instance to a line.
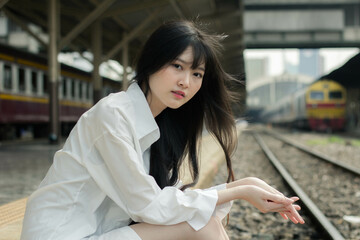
x=185, y=80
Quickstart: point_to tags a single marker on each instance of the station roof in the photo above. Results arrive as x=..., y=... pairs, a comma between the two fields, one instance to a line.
x=347, y=75
x=133, y=20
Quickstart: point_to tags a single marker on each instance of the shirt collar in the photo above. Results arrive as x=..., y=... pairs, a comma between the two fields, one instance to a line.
x=146, y=129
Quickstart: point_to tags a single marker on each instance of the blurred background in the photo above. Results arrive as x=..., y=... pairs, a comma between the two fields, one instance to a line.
x=58, y=58
x=299, y=66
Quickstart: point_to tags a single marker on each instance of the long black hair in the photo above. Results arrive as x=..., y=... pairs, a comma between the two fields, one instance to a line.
x=181, y=129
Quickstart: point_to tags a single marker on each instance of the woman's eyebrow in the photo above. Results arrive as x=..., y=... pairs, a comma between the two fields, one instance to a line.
x=189, y=63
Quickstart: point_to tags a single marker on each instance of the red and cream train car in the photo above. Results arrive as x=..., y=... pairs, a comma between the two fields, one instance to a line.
x=24, y=99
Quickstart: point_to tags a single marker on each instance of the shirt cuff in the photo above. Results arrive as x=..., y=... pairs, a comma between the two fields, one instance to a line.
x=205, y=209
x=222, y=210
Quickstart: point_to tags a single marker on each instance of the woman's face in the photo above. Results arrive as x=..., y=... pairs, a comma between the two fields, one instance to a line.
x=175, y=83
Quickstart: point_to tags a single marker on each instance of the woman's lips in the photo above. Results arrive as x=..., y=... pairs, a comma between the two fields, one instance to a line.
x=179, y=94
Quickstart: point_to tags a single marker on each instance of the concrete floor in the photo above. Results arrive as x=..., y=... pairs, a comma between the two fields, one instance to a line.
x=22, y=167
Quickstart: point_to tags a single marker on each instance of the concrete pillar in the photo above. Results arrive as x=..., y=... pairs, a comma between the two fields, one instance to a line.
x=96, y=49
x=53, y=72
x=125, y=64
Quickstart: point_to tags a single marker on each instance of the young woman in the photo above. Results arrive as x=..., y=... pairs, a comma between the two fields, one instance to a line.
x=120, y=164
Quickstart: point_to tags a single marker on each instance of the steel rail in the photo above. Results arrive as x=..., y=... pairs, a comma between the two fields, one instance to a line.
x=315, y=153
x=325, y=224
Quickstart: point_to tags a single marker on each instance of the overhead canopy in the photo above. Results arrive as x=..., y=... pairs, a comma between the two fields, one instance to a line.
x=347, y=75
x=131, y=21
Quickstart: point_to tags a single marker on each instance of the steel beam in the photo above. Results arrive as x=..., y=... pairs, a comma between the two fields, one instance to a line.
x=223, y=14
x=122, y=10
x=177, y=9
x=132, y=34
x=3, y=2
x=28, y=13
x=100, y=9
x=117, y=19
x=23, y=25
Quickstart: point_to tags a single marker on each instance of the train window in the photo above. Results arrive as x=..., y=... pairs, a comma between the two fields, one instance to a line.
x=77, y=85
x=64, y=88
x=80, y=90
x=317, y=95
x=21, y=78
x=72, y=90
x=87, y=91
x=45, y=84
x=7, y=77
x=335, y=95
x=34, y=82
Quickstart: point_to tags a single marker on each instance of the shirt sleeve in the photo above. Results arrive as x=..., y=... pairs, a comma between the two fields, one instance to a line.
x=221, y=210
x=121, y=175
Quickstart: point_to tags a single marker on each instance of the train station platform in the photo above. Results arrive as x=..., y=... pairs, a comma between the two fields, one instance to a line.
x=23, y=166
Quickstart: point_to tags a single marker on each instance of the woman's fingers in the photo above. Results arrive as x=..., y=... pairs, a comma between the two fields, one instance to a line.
x=294, y=198
x=292, y=218
x=295, y=213
x=279, y=199
x=284, y=216
x=297, y=207
x=289, y=210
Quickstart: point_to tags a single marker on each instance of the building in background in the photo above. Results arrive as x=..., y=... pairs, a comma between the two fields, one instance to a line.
x=256, y=68
x=311, y=63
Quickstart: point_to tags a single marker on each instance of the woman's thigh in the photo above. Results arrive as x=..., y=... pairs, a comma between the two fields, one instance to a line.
x=214, y=230
x=120, y=233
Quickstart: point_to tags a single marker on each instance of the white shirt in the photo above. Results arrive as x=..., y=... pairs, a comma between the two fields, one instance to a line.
x=99, y=181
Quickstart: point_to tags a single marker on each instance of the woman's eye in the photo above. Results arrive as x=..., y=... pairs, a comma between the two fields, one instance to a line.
x=198, y=75
x=178, y=66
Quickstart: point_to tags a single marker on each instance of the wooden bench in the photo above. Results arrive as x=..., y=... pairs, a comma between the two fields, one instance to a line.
x=11, y=218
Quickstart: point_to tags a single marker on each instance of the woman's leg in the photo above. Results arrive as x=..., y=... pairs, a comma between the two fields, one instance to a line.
x=214, y=230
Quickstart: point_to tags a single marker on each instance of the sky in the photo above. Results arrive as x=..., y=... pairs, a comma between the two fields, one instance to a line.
x=333, y=57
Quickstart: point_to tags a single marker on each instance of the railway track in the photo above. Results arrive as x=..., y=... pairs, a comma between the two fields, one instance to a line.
x=246, y=222
x=331, y=188
x=315, y=153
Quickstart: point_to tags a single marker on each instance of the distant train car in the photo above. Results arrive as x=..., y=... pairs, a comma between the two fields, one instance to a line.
x=24, y=99
x=320, y=106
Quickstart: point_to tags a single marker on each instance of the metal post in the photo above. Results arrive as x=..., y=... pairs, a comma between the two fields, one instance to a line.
x=96, y=48
x=125, y=64
x=53, y=73
x=241, y=68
